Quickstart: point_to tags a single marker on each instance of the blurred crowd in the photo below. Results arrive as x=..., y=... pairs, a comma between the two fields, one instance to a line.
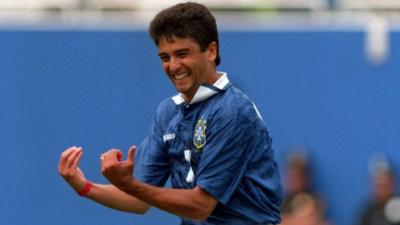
x=303, y=204
x=383, y=207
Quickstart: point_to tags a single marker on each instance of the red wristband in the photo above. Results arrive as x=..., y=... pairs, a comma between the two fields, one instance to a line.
x=85, y=189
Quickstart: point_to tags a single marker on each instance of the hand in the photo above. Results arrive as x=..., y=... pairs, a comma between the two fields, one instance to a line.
x=69, y=170
x=118, y=172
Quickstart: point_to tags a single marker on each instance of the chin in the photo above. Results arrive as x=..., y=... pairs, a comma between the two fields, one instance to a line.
x=182, y=89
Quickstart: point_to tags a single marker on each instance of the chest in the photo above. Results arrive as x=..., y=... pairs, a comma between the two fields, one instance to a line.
x=186, y=134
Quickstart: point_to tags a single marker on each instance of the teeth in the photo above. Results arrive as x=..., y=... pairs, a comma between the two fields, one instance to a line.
x=180, y=76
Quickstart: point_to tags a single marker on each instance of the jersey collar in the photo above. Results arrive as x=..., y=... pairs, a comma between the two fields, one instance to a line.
x=205, y=90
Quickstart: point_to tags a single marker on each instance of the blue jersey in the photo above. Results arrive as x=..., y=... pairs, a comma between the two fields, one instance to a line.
x=218, y=142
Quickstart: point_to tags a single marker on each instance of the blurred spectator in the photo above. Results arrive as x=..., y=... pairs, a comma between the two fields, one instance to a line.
x=301, y=204
x=384, y=207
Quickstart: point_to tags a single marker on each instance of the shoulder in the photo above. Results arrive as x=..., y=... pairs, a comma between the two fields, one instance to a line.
x=235, y=103
x=166, y=104
x=166, y=109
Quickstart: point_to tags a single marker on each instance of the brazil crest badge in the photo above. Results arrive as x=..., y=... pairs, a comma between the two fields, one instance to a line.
x=199, y=136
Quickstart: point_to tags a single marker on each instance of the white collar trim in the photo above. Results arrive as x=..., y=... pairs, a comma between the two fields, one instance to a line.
x=204, y=92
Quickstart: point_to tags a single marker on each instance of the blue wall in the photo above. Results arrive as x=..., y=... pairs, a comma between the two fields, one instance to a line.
x=99, y=89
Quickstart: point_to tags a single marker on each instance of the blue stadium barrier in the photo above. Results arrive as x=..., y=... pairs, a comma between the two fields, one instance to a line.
x=99, y=89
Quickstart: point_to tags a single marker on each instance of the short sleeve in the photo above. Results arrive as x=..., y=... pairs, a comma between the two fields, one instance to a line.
x=151, y=158
x=233, y=137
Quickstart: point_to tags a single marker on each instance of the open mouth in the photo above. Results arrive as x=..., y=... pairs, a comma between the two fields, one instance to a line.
x=180, y=76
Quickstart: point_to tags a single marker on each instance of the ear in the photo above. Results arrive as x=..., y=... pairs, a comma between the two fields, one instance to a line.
x=212, y=51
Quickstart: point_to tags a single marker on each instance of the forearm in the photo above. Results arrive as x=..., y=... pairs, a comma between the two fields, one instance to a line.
x=110, y=196
x=190, y=203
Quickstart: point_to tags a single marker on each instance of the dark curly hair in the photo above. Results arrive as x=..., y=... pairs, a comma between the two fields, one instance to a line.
x=186, y=20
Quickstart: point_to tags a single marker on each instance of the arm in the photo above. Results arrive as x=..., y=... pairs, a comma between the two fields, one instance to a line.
x=112, y=197
x=107, y=195
x=190, y=203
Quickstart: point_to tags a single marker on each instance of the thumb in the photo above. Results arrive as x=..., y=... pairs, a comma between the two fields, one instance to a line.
x=131, y=153
x=80, y=173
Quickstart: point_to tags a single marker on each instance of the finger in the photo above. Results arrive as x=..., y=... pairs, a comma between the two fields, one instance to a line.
x=114, y=155
x=131, y=153
x=103, y=161
x=119, y=156
x=102, y=157
x=64, y=157
x=76, y=161
x=70, y=160
x=80, y=173
x=79, y=170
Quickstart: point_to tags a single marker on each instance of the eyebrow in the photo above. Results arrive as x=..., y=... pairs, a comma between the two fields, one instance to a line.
x=182, y=50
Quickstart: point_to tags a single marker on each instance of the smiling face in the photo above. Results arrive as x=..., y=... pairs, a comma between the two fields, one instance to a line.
x=186, y=65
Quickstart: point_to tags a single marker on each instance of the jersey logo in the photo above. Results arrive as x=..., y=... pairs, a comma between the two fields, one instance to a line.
x=168, y=137
x=199, y=136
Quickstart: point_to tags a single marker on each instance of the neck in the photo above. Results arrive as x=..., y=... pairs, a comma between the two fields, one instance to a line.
x=214, y=76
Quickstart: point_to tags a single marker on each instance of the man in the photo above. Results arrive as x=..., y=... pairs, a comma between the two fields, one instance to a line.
x=301, y=205
x=209, y=139
x=381, y=208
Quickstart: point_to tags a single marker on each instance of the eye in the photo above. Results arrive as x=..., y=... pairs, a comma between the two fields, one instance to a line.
x=164, y=58
x=182, y=54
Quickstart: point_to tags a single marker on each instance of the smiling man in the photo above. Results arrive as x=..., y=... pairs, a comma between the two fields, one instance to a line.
x=209, y=139
x=187, y=65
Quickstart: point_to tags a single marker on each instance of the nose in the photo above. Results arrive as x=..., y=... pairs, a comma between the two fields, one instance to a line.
x=174, y=64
